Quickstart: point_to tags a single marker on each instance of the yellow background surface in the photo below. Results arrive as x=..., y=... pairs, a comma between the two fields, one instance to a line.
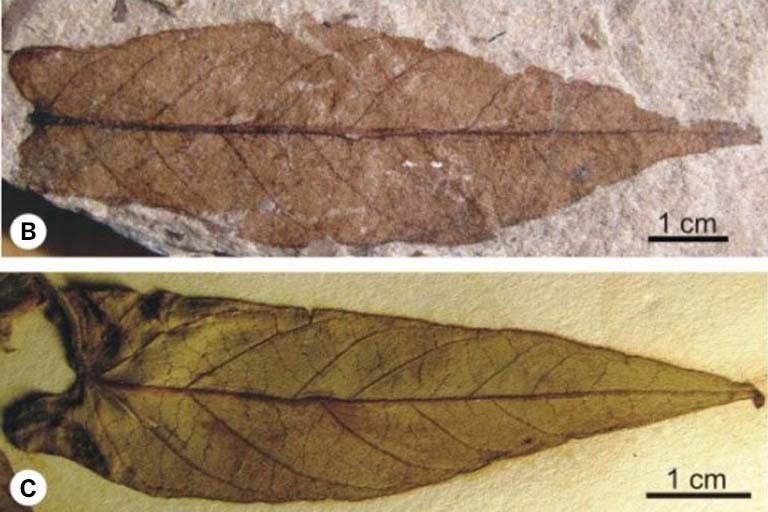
x=715, y=323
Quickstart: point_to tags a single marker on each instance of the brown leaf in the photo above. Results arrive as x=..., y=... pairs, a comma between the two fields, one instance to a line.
x=7, y=504
x=358, y=136
x=224, y=399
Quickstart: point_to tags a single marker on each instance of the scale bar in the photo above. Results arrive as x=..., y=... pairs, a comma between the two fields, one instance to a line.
x=674, y=238
x=699, y=495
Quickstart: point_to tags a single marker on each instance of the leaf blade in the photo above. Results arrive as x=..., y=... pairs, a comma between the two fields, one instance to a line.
x=403, y=142
x=433, y=401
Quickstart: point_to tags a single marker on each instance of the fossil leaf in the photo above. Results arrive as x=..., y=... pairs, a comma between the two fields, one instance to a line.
x=7, y=504
x=237, y=401
x=345, y=134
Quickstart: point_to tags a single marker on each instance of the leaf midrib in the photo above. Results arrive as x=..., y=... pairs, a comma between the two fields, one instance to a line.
x=41, y=118
x=742, y=392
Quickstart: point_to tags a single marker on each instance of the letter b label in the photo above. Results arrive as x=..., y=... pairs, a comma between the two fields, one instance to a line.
x=28, y=231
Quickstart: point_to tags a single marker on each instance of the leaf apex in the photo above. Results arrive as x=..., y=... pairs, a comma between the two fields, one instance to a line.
x=758, y=398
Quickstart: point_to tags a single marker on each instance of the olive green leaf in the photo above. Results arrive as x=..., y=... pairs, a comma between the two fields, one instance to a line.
x=345, y=134
x=238, y=401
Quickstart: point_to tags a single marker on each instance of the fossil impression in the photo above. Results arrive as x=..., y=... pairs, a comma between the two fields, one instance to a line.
x=357, y=137
x=237, y=401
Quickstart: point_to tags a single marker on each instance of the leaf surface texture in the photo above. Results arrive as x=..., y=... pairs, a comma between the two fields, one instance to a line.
x=344, y=134
x=237, y=401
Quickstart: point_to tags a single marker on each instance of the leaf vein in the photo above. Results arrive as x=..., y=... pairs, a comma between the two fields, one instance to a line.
x=274, y=459
x=373, y=445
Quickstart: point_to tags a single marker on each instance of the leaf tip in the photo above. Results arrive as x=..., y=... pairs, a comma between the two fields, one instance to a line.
x=752, y=135
x=758, y=398
x=733, y=135
x=749, y=391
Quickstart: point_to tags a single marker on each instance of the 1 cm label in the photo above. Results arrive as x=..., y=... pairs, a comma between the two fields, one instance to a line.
x=690, y=225
x=699, y=481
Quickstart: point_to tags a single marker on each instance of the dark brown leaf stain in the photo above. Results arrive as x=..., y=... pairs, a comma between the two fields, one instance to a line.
x=18, y=293
x=360, y=137
x=238, y=401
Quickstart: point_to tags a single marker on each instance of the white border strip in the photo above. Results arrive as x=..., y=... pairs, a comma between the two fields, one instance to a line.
x=381, y=264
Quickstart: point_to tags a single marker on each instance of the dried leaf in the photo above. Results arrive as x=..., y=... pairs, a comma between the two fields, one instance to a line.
x=7, y=504
x=237, y=401
x=354, y=136
x=18, y=294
